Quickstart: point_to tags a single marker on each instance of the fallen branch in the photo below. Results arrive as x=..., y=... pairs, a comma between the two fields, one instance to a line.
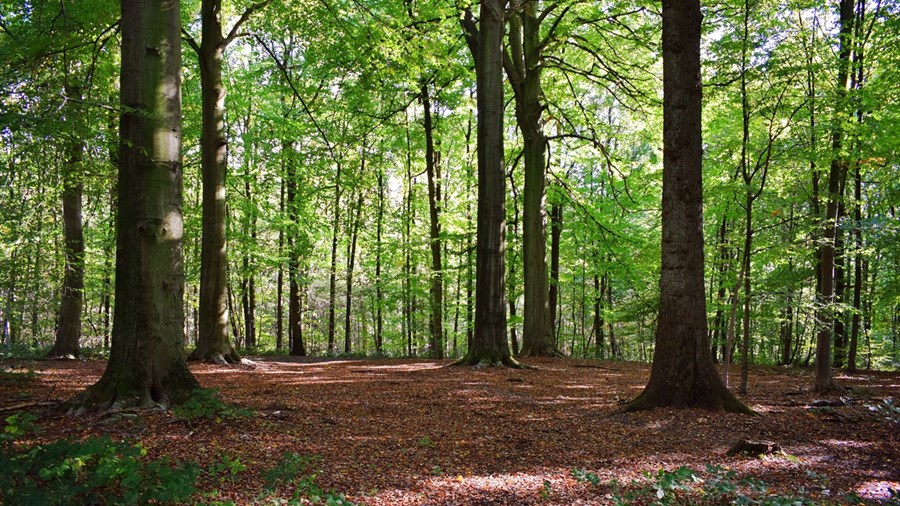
x=25, y=405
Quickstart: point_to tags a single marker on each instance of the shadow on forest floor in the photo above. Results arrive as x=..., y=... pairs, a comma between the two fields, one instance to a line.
x=405, y=431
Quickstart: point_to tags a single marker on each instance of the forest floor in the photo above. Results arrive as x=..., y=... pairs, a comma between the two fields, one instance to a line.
x=414, y=432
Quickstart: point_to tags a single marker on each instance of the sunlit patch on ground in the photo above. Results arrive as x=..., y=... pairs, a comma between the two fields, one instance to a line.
x=878, y=490
x=414, y=432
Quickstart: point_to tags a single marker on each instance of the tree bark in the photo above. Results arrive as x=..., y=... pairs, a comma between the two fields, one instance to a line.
x=433, y=172
x=489, y=342
x=279, y=281
x=68, y=328
x=332, y=273
x=824, y=381
x=295, y=254
x=146, y=364
x=556, y=224
x=682, y=374
x=213, y=344
x=379, y=290
x=351, y=261
x=523, y=68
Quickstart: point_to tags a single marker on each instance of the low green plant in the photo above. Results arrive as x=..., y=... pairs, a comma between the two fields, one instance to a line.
x=204, y=403
x=226, y=468
x=425, y=442
x=684, y=485
x=92, y=471
x=18, y=424
x=585, y=477
x=299, y=472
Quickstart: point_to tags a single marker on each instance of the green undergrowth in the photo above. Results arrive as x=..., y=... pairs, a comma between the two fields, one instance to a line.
x=204, y=403
x=713, y=486
x=100, y=470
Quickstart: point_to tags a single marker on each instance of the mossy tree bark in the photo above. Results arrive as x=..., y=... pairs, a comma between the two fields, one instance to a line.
x=683, y=374
x=146, y=364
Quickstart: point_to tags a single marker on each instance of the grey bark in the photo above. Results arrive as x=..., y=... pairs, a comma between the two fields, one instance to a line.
x=146, y=363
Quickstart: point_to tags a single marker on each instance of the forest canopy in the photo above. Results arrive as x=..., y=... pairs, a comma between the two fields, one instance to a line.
x=344, y=134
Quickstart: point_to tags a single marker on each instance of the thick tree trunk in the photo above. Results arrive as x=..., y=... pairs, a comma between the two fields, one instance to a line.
x=683, y=374
x=146, y=363
x=68, y=325
x=523, y=68
x=489, y=342
x=433, y=172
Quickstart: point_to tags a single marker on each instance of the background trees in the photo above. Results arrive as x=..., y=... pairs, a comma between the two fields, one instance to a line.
x=336, y=103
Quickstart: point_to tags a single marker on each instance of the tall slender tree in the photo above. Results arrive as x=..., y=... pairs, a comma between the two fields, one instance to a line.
x=68, y=328
x=213, y=344
x=523, y=64
x=836, y=175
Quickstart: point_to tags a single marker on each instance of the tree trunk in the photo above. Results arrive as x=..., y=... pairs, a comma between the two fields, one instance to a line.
x=683, y=374
x=857, y=271
x=613, y=346
x=556, y=224
x=332, y=273
x=433, y=171
x=213, y=344
x=248, y=283
x=351, y=260
x=489, y=342
x=599, y=288
x=379, y=290
x=523, y=67
x=295, y=253
x=824, y=381
x=279, y=282
x=146, y=364
x=68, y=328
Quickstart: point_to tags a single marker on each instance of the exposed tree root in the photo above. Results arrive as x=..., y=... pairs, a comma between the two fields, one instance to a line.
x=714, y=401
x=216, y=357
x=481, y=361
x=118, y=392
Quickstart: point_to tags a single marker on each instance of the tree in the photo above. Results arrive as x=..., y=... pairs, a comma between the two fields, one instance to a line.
x=523, y=67
x=68, y=329
x=836, y=176
x=146, y=363
x=489, y=343
x=433, y=172
x=682, y=374
x=213, y=344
